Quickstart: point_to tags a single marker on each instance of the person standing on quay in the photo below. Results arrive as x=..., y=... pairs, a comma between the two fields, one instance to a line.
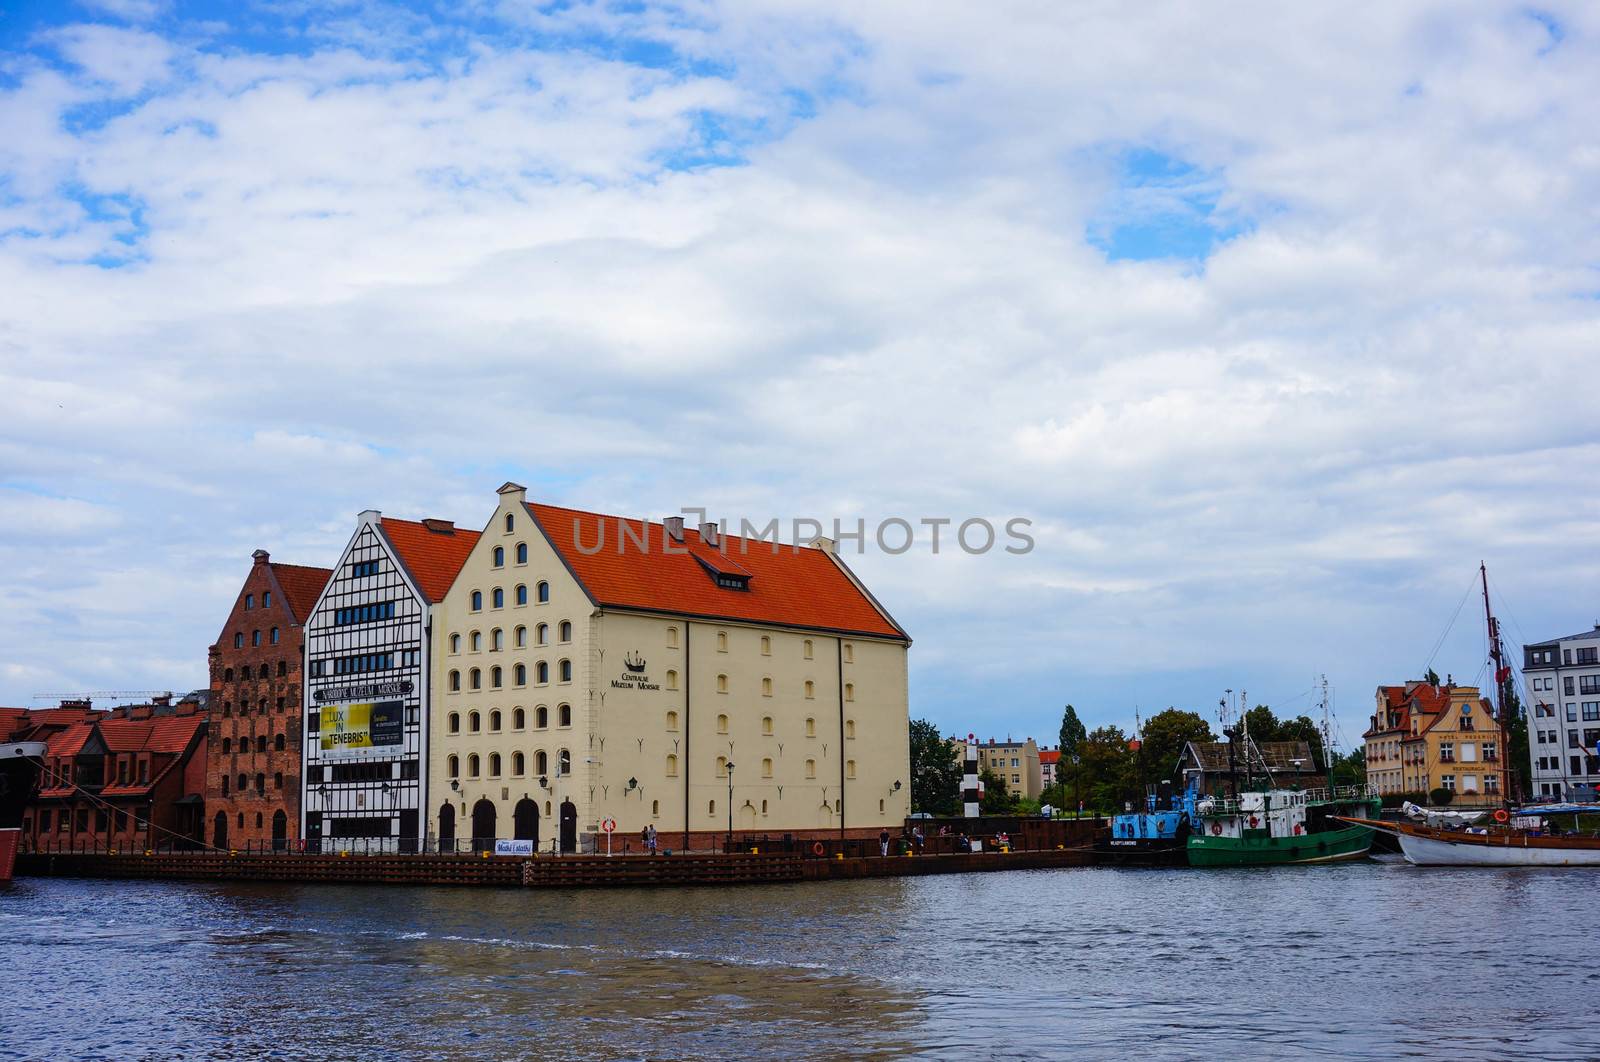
x=883, y=841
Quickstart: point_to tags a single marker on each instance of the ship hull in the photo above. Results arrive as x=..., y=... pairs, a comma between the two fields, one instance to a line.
x=1425, y=846
x=10, y=840
x=1326, y=846
x=1141, y=852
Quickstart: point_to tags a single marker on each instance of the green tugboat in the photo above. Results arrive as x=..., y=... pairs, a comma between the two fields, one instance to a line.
x=1265, y=824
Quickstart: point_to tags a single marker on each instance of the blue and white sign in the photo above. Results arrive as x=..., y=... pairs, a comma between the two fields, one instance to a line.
x=513, y=848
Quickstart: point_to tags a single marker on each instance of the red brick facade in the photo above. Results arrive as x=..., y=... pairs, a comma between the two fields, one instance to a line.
x=253, y=755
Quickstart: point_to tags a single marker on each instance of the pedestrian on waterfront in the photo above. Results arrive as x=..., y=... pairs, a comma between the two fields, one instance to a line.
x=917, y=839
x=964, y=843
x=883, y=841
x=654, y=839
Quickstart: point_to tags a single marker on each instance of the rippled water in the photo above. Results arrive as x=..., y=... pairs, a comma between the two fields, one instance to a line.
x=1370, y=960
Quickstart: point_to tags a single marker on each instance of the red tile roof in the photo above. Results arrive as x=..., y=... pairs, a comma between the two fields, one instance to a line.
x=12, y=721
x=433, y=558
x=68, y=742
x=788, y=586
x=166, y=734
x=1049, y=756
x=301, y=587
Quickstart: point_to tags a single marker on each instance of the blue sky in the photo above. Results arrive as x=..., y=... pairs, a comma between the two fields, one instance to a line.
x=1273, y=323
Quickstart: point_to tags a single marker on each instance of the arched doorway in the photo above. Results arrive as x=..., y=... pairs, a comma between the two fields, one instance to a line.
x=747, y=816
x=219, y=831
x=483, y=825
x=525, y=821
x=447, y=827
x=280, y=830
x=569, y=826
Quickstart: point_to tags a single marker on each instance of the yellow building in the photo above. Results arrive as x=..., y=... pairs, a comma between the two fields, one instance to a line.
x=1016, y=763
x=1425, y=737
x=595, y=670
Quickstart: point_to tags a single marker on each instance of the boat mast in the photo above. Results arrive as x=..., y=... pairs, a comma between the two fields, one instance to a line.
x=1502, y=678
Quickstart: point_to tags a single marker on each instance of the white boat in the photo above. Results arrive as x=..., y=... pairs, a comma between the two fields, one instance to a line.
x=1510, y=846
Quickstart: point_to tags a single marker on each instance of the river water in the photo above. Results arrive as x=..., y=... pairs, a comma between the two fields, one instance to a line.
x=1368, y=960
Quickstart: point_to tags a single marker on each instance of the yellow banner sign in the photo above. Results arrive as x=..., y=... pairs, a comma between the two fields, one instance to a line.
x=348, y=728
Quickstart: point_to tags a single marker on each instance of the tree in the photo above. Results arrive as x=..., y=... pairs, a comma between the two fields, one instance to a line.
x=1264, y=726
x=935, y=771
x=1441, y=796
x=1106, y=768
x=997, y=800
x=1350, y=768
x=1072, y=732
x=1163, y=739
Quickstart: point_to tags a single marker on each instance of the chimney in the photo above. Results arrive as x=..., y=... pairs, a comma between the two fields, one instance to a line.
x=162, y=699
x=440, y=527
x=708, y=535
x=674, y=526
x=261, y=557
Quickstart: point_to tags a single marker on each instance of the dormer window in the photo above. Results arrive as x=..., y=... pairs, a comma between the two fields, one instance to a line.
x=725, y=572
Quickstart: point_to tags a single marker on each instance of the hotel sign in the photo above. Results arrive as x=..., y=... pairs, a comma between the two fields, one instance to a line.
x=634, y=676
x=401, y=688
x=354, y=731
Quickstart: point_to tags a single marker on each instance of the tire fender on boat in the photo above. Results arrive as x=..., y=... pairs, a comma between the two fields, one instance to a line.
x=1216, y=829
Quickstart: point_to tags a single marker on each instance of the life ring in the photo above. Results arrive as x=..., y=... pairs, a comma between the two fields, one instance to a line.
x=1502, y=816
x=1254, y=822
x=817, y=849
x=1298, y=829
x=1216, y=829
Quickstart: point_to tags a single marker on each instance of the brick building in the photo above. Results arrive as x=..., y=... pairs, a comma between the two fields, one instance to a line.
x=252, y=787
x=132, y=777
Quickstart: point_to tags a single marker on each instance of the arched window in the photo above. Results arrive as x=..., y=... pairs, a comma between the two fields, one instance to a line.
x=475, y=679
x=672, y=766
x=494, y=765
x=238, y=640
x=272, y=636
x=849, y=728
x=811, y=768
x=564, y=762
x=849, y=768
x=565, y=670
x=849, y=691
x=808, y=649
x=455, y=722
x=472, y=765
x=811, y=727
x=722, y=766
x=226, y=746
x=519, y=637
x=766, y=725
x=672, y=721
x=541, y=634
x=261, y=782
x=498, y=596
x=511, y=522
x=672, y=637
x=261, y=743
x=243, y=783
x=519, y=675
x=766, y=767
x=277, y=780
x=522, y=553
x=227, y=676
x=722, y=724
x=497, y=640
x=519, y=719
x=494, y=720
x=722, y=641
x=565, y=631
x=474, y=722
x=455, y=643
x=541, y=762
x=499, y=557
x=564, y=714
x=283, y=668
x=541, y=672
x=517, y=764
x=764, y=807
x=722, y=683
x=672, y=680
x=655, y=808
x=541, y=717
x=494, y=678
x=766, y=686
x=811, y=690
x=477, y=601
x=542, y=592
x=522, y=594
x=766, y=645
x=455, y=682
x=711, y=808
x=224, y=787
x=849, y=653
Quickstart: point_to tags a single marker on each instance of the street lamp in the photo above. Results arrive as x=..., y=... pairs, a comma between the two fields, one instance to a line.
x=729, y=843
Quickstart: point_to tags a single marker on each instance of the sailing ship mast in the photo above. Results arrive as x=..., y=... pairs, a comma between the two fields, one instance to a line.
x=1502, y=681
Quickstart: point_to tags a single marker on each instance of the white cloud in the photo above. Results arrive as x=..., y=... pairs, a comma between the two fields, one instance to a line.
x=370, y=278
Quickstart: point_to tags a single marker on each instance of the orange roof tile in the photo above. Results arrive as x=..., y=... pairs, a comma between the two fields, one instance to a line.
x=301, y=585
x=68, y=742
x=788, y=586
x=433, y=558
x=1049, y=755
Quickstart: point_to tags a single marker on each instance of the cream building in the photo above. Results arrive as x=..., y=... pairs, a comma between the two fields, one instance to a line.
x=592, y=669
x=1017, y=763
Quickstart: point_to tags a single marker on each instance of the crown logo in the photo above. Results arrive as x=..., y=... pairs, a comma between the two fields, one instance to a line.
x=633, y=662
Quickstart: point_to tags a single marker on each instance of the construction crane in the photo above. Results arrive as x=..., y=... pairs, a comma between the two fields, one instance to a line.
x=115, y=695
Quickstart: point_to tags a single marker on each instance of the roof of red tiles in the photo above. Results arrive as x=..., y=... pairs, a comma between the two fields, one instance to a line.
x=67, y=742
x=302, y=585
x=788, y=586
x=12, y=720
x=1049, y=756
x=168, y=733
x=433, y=558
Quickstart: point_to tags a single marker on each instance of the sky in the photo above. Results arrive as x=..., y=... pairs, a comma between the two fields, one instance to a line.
x=1273, y=320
